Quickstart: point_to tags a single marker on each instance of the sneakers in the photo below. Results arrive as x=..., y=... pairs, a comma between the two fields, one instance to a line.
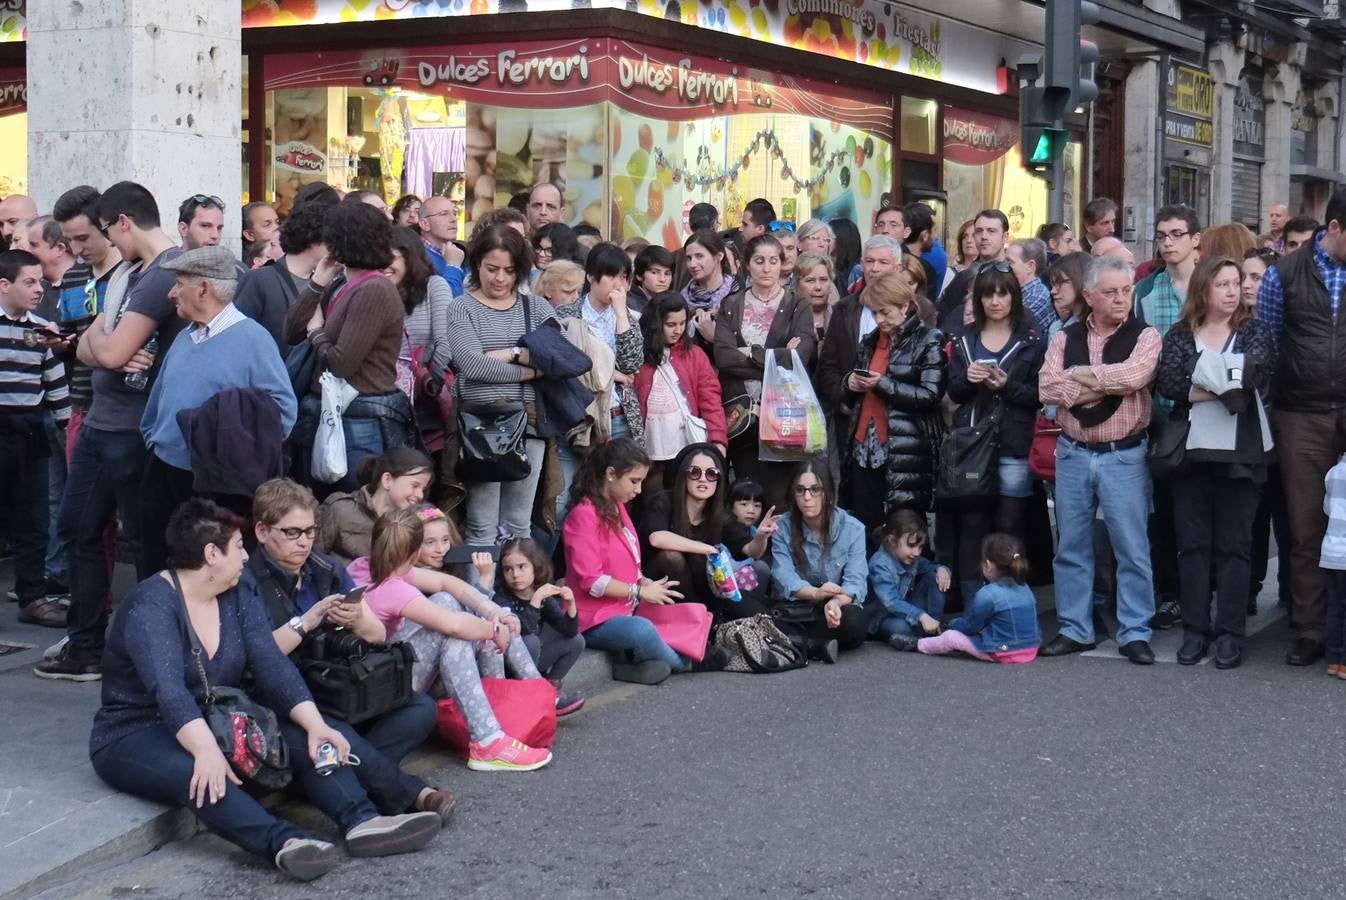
x=305, y=859
x=651, y=671
x=568, y=703
x=505, y=754
x=46, y=612
x=71, y=664
x=387, y=835
x=902, y=642
x=1167, y=615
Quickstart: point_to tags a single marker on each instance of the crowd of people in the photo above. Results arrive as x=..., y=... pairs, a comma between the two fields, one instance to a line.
x=548, y=442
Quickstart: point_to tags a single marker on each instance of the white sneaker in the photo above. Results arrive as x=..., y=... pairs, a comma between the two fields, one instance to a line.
x=55, y=649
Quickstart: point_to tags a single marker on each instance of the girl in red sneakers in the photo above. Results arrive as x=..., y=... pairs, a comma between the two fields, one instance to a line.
x=452, y=647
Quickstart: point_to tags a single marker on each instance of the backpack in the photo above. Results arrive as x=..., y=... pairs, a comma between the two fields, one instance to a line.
x=756, y=644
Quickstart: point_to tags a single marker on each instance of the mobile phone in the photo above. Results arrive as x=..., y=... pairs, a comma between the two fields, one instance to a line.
x=863, y=373
x=462, y=554
x=355, y=596
x=988, y=363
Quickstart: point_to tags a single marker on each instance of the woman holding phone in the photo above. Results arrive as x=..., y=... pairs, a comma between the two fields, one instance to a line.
x=994, y=371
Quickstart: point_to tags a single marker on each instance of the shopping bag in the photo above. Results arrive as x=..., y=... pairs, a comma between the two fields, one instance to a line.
x=721, y=575
x=525, y=709
x=792, y=425
x=684, y=626
x=329, y=445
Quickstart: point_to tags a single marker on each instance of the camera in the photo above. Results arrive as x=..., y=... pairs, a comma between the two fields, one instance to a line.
x=330, y=644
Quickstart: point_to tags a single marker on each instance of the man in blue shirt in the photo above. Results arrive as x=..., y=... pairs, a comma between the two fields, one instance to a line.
x=439, y=226
x=1300, y=300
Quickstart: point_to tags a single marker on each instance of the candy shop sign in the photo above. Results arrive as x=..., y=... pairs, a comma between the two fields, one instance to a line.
x=688, y=84
x=507, y=68
x=973, y=139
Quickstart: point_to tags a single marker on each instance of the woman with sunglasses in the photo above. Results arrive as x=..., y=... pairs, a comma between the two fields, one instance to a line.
x=684, y=525
x=819, y=566
x=993, y=371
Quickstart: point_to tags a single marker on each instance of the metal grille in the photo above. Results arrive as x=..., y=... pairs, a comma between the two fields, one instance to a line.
x=1246, y=199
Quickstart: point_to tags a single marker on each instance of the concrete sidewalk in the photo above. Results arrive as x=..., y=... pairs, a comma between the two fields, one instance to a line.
x=58, y=820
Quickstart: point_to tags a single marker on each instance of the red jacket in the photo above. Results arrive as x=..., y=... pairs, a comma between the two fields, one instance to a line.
x=699, y=384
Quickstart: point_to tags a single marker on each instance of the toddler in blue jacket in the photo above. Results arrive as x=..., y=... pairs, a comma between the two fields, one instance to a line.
x=1001, y=624
x=908, y=587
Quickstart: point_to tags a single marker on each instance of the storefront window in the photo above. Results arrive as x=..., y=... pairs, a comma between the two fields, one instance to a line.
x=918, y=126
x=481, y=124
x=13, y=132
x=983, y=169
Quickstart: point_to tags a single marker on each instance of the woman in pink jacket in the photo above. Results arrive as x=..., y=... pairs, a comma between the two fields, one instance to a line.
x=603, y=569
x=676, y=382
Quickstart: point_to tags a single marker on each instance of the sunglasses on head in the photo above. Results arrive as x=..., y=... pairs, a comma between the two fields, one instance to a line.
x=1266, y=254
x=696, y=473
x=780, y=225
x=207, y=200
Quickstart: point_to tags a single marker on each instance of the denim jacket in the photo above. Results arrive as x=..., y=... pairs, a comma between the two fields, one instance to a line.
x=844, y=563
x=1003, y=616
x=905, y=591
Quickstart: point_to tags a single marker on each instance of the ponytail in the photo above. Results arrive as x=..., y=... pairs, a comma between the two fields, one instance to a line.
x=1006, y=553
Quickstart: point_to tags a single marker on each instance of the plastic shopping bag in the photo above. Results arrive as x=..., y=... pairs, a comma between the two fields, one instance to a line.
x=792, y=426
x=720, y=573
x=329, y=446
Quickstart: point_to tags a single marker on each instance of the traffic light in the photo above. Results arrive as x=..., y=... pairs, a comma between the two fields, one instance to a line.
x=1069, y=67
x=1037, y=126
x=1043, y=147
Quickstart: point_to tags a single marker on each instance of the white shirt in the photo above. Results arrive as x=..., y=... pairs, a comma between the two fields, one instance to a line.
x=227, y=318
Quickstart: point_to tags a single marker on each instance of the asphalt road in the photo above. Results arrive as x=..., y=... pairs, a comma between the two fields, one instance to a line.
x=888, y=775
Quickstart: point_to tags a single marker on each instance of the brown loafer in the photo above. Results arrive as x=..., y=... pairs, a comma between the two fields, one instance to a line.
x=439, y=802
x=45, y=612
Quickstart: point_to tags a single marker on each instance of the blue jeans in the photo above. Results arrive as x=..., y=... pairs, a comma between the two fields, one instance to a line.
x=637, y=635
x=1118, y=483
x=1015, y=478
x=151, y=764
x=364, y=438
x=103, y=480
x=58, y=548
x=382, y=743
x=1336, y=616
x=341, y=794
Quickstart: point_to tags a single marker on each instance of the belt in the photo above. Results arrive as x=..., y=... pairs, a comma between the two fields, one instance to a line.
x=1106, y=446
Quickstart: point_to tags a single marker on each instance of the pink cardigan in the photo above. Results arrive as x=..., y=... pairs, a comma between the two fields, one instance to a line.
x=593, y=549
x=700, y=385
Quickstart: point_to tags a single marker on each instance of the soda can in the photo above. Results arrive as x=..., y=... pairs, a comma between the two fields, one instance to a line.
x=327, y=761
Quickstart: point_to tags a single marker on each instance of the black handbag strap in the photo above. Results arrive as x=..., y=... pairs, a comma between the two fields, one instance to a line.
x=527, y=327
x=197, y=652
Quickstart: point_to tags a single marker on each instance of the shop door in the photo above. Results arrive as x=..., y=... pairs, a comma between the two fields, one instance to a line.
x=1189, y=186
x=1246, y=199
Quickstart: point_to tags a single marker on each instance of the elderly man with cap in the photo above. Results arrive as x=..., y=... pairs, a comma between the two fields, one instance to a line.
x=219, y=350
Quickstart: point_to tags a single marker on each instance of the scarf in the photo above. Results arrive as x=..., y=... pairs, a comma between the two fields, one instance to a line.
x=873, y=409
x=699, y=298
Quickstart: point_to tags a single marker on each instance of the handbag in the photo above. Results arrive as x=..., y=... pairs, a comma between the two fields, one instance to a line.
x=525, y=708
x=301, y=363
x=756, y=644
x=246, y=732
x=1042, y=452
x=352, y=679
x=492, y=442
x=684, y=626
x=969, y=459
x=1167, y=453
x=694, y=430
x=740, y=414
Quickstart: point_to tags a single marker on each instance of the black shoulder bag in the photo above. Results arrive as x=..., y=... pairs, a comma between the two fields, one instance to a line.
x=351, y=679
x=492, y=441
x=246, y=732
x=969, y=457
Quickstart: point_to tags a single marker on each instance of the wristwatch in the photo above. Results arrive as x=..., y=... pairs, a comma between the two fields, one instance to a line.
x=514, y=355
x=297, y=626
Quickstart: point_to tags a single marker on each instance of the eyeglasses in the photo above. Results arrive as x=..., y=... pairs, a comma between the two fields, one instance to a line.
x=808, y=490
x=294, y=534
x=104, y=229
x=1164, y=236
x=543, y=251
x=696, y=473
x=780, y=225
x=442, y=212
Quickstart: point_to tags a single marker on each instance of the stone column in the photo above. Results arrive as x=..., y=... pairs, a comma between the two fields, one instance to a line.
x=142, y=90
x=1226, y=64
x=1144, y=171
x=1279, y=95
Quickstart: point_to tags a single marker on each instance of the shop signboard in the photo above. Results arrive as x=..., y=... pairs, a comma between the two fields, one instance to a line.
x=1190, y=108
x=1250, y=118
x=13, y=92
x=649, y=81
x=974, y=139
x=888, y=35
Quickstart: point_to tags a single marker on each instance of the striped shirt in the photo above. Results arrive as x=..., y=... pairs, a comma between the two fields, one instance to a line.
x=81, y=299
x=30, y=376
x=1130, y=380
x=474, y=330
x=230, y=315
x=1333, y=554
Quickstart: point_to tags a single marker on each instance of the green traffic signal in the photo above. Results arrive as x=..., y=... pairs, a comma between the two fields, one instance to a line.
x=1042, y=153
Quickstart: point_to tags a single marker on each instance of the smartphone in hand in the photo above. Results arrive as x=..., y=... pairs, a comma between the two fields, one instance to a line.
x=353, y=597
